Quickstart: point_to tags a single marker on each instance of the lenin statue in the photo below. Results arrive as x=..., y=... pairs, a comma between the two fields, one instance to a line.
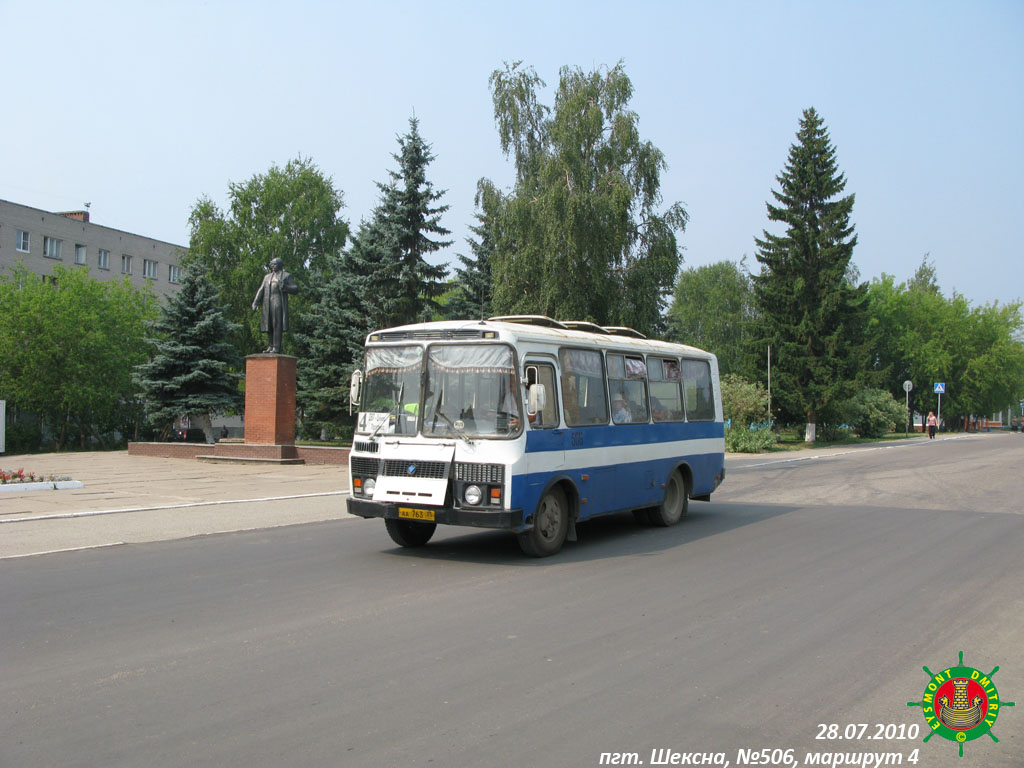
x=273, y=294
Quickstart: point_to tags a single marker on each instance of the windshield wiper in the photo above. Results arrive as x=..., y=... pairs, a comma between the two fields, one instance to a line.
x=394, y=414
x=438, y=412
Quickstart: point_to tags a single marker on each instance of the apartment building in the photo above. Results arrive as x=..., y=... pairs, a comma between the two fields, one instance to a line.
x=40, y=240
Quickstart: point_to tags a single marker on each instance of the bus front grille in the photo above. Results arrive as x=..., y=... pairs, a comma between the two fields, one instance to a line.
x=432, y=470
x=480, y=473
x=364, y=467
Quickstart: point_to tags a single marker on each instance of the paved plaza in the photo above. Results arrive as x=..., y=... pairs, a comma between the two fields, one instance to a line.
x=129, y=499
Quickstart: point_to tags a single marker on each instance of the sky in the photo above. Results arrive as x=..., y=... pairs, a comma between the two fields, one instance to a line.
x=141, y=109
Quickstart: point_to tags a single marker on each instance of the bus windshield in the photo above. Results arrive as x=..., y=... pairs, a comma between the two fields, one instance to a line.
x=391, y=392
x=470, y=391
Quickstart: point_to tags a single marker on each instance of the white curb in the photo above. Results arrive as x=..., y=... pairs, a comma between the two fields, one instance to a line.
x=50, y=485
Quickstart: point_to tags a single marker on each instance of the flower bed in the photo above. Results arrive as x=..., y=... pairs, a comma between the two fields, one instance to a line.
x=13, y=476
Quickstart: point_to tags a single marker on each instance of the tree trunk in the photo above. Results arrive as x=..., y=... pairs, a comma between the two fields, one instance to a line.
x=810, y=431
x=208, y=428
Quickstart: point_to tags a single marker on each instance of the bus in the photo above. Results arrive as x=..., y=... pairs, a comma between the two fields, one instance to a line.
x=531, y=425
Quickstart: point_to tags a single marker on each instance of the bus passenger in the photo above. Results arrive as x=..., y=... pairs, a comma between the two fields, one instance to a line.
x=620, y=413
x=658, y=411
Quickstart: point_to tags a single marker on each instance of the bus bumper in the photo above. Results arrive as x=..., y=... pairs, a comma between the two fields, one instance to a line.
x=478, y=518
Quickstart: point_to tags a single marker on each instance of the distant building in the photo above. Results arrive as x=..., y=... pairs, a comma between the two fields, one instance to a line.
x=40, y=240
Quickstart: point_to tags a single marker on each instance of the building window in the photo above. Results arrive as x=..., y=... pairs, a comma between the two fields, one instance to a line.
x=149, y=269
x=79, y=254
x=51, y=247
x=126, y=264
x=23, y=241
x=103, y=259
x=173, y=274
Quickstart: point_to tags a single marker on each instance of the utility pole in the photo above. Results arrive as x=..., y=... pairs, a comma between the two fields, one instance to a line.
x=907, y=386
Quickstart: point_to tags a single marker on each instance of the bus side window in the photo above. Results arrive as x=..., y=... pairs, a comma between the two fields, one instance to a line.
x=700, y=401
x=572, y=399
x=583, y=391
x=666, y=399
x=627, y=379
x=546, y=417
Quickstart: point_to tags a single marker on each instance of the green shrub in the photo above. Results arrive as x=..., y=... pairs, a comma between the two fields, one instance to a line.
x=873, y=413
x=746, y=440
x=832, y=433
x=744, y=402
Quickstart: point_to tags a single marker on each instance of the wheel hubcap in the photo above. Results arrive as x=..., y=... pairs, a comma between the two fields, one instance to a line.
x=548, y=523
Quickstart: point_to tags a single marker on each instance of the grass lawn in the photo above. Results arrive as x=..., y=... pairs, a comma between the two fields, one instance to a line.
x=793, y=440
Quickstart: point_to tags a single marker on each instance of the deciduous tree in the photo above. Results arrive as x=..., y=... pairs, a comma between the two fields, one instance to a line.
x=290, y=213
x=68, y=344
x=921, y=336
x=582, y=234
x=713, y=308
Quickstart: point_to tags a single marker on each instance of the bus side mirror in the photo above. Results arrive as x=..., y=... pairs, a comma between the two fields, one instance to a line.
x=537, y=398
x=355, y=389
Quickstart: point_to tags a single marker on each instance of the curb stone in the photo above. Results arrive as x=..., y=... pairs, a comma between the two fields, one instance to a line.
x=49, y=485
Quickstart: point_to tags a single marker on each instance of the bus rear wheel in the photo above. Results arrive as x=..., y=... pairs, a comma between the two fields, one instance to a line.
x=675, y=505
x=407, y=533
x=550, y=525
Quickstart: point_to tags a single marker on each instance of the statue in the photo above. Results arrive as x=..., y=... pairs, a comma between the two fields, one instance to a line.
x=273, y=294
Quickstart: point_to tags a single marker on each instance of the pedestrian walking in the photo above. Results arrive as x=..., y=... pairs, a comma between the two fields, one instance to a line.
x=933, y=424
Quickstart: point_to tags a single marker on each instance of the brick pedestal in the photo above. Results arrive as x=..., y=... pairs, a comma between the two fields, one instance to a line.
x=270, y=400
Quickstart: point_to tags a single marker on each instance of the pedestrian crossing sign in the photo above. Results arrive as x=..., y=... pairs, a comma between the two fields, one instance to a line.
x=940, y=387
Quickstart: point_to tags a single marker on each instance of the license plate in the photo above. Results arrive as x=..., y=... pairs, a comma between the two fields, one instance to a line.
x=416, y=514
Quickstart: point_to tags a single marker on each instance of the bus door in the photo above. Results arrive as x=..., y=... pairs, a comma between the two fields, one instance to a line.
x=545, y=437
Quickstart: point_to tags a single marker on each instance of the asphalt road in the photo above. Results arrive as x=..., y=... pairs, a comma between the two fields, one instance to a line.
x=808, y=592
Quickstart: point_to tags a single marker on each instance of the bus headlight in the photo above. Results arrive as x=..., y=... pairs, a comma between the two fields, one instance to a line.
x=368, y=485
x=473, y=495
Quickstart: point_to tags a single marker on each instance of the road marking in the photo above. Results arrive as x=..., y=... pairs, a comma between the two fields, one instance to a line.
x=95, y=513
x=916, y=444
x=69, y=549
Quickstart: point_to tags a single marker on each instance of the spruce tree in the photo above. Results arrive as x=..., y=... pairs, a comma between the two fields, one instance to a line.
x=375, y=271
x=472, y=297
x=399, y=235
x=332, y=343
x=194, y=370
x=811, y=313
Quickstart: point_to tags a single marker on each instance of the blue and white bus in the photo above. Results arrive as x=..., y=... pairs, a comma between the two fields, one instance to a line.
x=532, y=425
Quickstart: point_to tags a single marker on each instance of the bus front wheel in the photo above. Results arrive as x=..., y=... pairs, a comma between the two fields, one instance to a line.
x=406, y=533
x=550, y=525
x=674, y=507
